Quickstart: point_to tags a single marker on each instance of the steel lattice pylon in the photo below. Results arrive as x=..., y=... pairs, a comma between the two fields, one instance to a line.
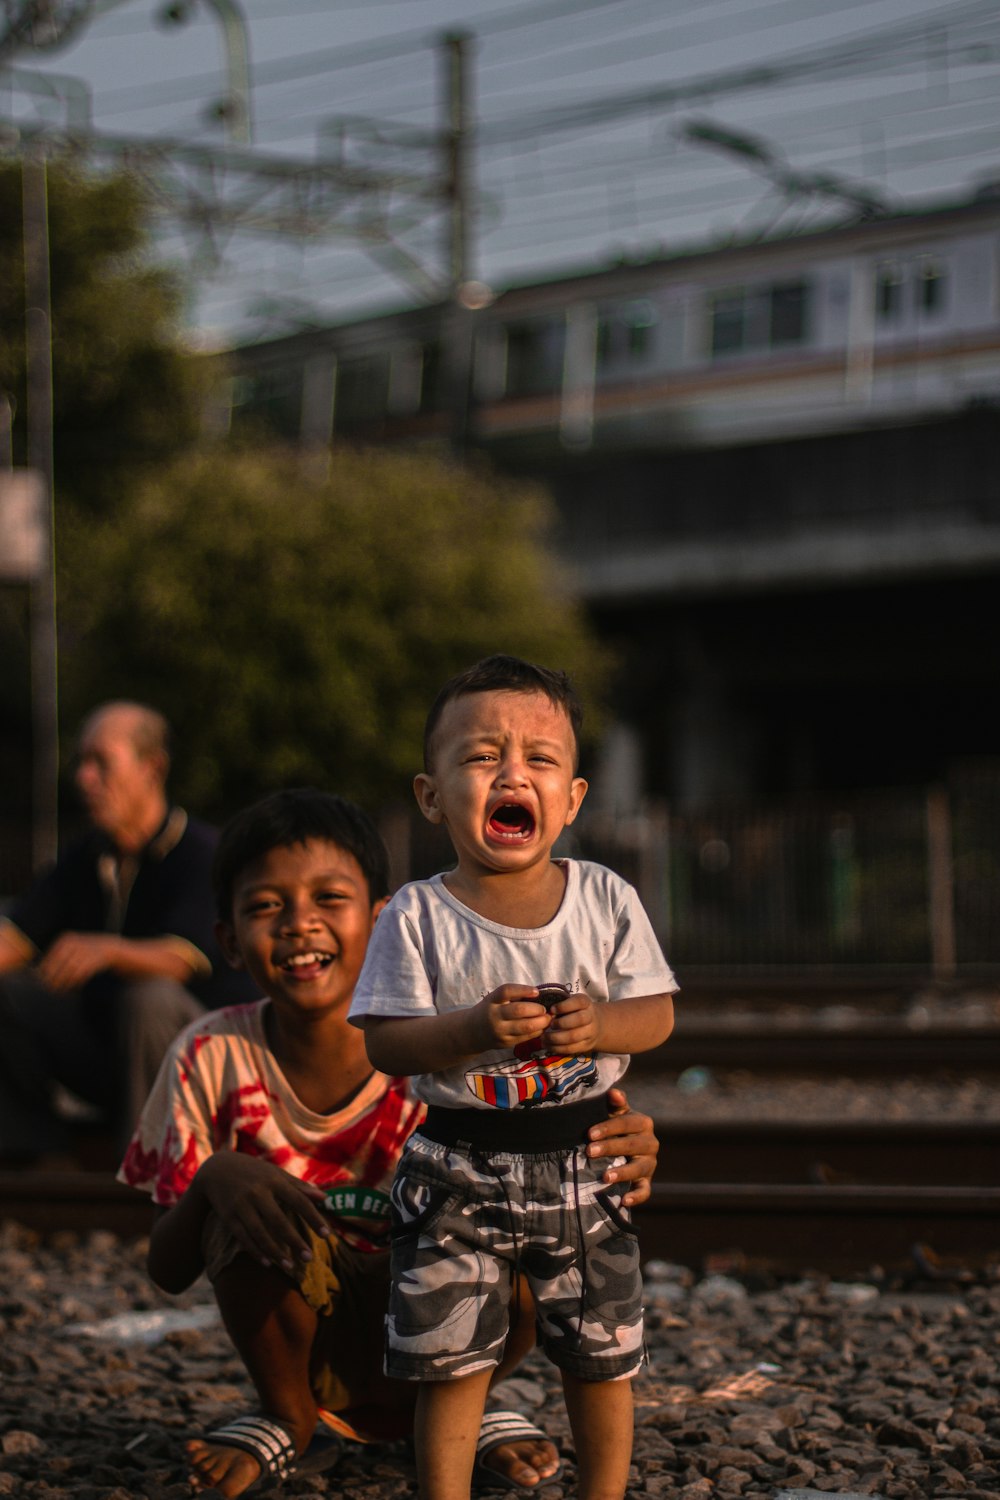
x=214, y=190
x=40, y=24
x=218, y=190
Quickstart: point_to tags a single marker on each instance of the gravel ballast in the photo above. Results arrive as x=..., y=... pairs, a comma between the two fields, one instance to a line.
x=736, y=1095
x=756, y=1387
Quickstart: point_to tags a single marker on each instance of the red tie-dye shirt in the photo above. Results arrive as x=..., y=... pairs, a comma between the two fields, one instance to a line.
x=220, y=1089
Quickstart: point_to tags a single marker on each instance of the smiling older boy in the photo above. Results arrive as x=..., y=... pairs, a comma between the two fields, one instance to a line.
x=268, y=1144
x=496, y=1181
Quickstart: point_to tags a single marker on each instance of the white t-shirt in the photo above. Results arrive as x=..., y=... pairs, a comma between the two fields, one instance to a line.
x=430, y=954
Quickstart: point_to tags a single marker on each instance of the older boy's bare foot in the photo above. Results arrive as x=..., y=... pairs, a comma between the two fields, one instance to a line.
x=229, y=1470
x=528, y=1462
x=217, y=1465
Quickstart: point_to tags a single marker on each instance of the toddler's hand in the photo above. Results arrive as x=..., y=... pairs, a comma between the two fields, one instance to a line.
x=575, y=1026
x=512, y=1014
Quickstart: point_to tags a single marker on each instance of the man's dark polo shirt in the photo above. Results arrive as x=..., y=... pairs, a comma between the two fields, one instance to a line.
x=166, y=892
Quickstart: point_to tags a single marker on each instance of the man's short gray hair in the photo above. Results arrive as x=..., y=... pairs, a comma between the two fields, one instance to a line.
x=148, y=728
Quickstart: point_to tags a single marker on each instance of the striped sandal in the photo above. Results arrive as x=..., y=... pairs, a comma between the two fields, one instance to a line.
x=498, y=1428
x=270, y=1443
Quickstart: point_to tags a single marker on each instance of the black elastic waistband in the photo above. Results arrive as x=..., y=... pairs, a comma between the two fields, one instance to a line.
x=559, y=1127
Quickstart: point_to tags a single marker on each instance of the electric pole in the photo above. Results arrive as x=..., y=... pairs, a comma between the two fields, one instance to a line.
x=456, y=149
x=44, y=654
x=457, y=321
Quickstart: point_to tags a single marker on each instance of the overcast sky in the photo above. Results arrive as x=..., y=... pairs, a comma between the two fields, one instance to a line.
x=584, y=110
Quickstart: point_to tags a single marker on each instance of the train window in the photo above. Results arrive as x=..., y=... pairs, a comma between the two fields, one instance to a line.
x=406, y=367
x=489, y=363
x=273, y=397
x=640, y=337
x=241, y=390
x=362, y=391
x=888, y=291
x=728, y=314
x=626, y=333
x=534, y=358
x=762, y=317
x=640, y=321
x=431, y=378
x=788, y=313
x=931, y=282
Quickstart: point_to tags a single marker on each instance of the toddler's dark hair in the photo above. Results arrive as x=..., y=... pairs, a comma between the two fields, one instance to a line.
x=506, y=674
x=290, y=817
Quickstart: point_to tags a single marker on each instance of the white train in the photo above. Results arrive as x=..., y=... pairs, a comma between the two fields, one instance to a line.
x=890, y=321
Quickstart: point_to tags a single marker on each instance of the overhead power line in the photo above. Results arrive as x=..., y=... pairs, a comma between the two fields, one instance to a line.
x=796, y=67
x=595, y=164
x=333, y=59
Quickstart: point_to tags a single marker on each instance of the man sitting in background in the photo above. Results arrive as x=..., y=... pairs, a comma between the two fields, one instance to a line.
x=111, y=951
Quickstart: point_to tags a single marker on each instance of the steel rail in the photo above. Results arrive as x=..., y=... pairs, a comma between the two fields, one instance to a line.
x=840, y=1228
x=829, y=1228
x=900, y=1152
x=883, y=1049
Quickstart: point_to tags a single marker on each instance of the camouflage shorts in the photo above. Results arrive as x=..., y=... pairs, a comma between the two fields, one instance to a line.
x=464, y=1224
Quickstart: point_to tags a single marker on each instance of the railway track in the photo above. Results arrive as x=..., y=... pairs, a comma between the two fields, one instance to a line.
x=837, y=1197
x=883, y=1049
x=913, y=1153
x=861, y=1025
x=842, y=1229
x=794, y=1194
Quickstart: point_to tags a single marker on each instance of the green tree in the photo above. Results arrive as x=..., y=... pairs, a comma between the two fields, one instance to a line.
x=126, y=396
x=294, y=626
x=125, y=393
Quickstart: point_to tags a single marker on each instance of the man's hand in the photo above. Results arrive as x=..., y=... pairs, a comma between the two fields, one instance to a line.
x=262, y=1206
x=16, y=951
x=630, y=1134
x=76, y=957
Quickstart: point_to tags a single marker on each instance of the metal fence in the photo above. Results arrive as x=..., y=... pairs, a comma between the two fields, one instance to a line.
x=900, y=879
x=907, y=879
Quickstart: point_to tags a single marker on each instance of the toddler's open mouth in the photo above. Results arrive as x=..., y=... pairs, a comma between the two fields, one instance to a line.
x=510, y=823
